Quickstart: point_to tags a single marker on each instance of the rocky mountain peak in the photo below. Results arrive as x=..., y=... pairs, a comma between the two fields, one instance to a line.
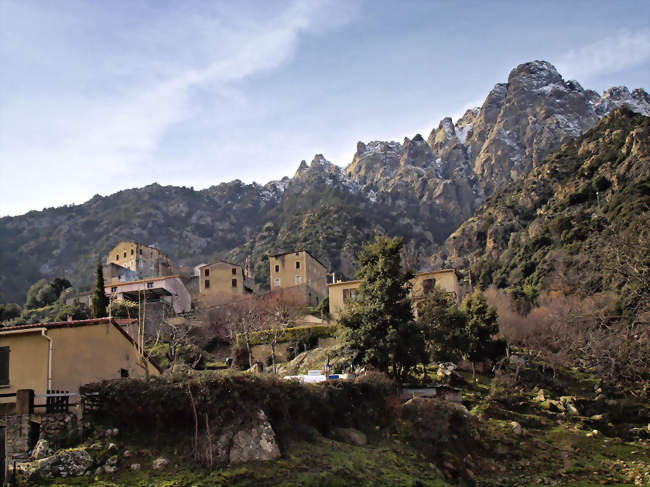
x=534, y=75
x=302, y=169
x=416, y=152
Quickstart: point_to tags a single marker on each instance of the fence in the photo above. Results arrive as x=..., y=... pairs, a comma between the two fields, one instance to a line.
x=56, y=401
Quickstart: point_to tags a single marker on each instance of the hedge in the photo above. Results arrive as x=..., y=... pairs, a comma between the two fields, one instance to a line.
x=293, y=334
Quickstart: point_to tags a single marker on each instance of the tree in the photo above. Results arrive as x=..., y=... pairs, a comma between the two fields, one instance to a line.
x=60, y=284
x=379, y=327
x=76, y=310
x=40, y=294
x=443, y=325
x=480, y=328
x=9, y=311
x=100, y=301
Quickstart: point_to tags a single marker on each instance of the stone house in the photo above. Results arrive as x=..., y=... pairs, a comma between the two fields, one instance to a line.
x=423, y=283
x=299, y=276
x=58, y=356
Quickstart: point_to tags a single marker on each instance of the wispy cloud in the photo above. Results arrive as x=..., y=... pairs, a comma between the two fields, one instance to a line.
x=106, y=135
x=608, y=55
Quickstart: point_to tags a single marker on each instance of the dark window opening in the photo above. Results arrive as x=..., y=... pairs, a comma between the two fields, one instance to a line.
x=428, y=285
x=297, y=265
x=207, y=283
x=131, y=251
x=277, y=268
x=234, y=283
x=140, y=251
x=124, y=373
x=234, y=271
x=114, y=289
x=125, y=255
x=149, y=285
x=117, y=256
x=297, y=253
x=207, y=272
x=4, y=366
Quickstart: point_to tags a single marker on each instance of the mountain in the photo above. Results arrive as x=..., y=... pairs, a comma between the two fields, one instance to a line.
x=577, y=223
x=419, y=189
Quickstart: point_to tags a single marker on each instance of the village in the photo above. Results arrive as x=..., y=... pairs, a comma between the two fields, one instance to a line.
x=44, y=366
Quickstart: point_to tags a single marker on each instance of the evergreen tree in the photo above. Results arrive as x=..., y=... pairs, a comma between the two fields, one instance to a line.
x=379, y=326
x=480, y=329
x=443, y=324
x=100, y=301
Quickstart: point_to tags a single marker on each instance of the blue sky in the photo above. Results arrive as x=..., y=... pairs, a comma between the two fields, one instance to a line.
x=101, y=96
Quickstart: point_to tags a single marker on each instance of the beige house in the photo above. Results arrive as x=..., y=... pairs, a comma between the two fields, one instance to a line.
x=300, y=272
x=145, y=260
x=221, y=282
x=65, y=355
x=341, y=293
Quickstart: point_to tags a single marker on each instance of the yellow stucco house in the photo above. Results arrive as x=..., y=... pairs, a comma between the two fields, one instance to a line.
x=221, y=282
x=142, y=259
x=299, y=275
x=342, y=292
x=65, y=355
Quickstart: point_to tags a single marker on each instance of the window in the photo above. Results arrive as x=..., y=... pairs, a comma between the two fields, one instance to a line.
x=298, y=279
x=140, y=251
x=124, y=373
x=350, y=294
x=234, y=283
x=125, y=255
x=131, y=251
x=149, y=285
x=297, y=253
x=277, y=268
x=206, y=272
x=277, y=282
x=234, y=271
x=207, y=283
x=428, y=285
x=114, y=289
x=297, y=265
x=117, y=256
x=4, y=366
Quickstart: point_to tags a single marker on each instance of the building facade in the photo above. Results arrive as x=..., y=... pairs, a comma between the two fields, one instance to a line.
x=299, y=270
x=340, y=293
x=65, y=355
x=221, y=282
x=142, y=259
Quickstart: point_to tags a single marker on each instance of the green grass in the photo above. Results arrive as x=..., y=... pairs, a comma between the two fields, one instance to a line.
x=320, y=462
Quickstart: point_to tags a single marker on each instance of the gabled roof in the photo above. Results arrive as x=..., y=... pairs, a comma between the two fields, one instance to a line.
x=74, y=324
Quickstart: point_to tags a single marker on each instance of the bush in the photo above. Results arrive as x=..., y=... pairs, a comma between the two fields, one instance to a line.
x=295, y=334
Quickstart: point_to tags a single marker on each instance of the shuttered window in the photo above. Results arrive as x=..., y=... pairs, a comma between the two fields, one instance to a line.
x=4, y=366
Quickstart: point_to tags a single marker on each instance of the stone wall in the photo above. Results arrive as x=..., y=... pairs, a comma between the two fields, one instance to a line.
x=17, y=430
x=61, y=428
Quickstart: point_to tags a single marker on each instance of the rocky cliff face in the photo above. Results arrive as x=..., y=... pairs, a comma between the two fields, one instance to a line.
x=419, y=189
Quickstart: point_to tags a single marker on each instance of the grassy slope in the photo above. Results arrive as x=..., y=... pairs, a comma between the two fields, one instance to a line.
x=555, y=449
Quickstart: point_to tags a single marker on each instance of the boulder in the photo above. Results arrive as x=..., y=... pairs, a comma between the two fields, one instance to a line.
x=516, y=428
x=112, y=461
x=42, y=450
x=254, y=441
x=349, y=435
x=160, y=463
x=110, y=468
x=127, y=453
x=135, y=467
x=112, y=447
x=65, y=463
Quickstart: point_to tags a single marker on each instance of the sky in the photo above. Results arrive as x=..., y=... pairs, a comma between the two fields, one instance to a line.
x=96, y=96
